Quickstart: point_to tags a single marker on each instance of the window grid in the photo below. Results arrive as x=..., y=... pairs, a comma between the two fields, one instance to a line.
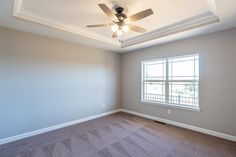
x=170, y=82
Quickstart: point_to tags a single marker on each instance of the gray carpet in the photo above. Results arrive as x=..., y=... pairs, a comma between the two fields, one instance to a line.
x=120, y=135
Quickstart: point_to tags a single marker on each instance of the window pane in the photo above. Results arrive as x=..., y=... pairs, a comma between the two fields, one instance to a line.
x=183, y=93
x=181, y=85
x=155, y=70
x=184, y=68
x=154, y=91
x=196, y=69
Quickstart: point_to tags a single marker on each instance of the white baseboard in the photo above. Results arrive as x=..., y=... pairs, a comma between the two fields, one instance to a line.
x=55, y=127
x=44, y=130
x=190, y=127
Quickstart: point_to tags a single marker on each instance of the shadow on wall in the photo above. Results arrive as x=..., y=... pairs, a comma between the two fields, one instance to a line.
x=45, y=82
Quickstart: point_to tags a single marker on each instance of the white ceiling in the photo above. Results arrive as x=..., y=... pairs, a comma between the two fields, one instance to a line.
x=79, y=14
x=67, y=20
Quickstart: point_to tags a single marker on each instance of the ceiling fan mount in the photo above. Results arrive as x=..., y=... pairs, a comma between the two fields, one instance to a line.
x=119, y=14
x=119, y=9
x=119, y=20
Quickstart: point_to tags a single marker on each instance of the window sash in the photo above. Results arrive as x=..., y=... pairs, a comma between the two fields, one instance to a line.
x=167, y=82
x=156, y=95
x=191, y=101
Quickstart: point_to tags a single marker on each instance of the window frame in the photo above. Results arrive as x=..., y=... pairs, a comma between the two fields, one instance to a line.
x=167, y=87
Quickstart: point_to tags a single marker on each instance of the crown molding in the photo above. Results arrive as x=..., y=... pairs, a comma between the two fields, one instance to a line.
x=212, y=6
x=185, y=25
x=17, y=6
x=32, y=16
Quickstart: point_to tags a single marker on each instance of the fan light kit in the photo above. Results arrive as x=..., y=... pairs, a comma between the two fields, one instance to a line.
x=120, y=22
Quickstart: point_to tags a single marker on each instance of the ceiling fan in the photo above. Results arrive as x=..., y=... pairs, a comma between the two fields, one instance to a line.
x=120, y=22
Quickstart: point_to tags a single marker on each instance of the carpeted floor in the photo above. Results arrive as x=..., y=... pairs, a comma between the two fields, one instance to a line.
x=120, y=135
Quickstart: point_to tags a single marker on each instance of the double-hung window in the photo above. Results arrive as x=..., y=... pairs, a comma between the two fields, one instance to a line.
x=172, y=81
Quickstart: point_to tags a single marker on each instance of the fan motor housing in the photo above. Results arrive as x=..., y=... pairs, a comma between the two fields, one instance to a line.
x=120, y=14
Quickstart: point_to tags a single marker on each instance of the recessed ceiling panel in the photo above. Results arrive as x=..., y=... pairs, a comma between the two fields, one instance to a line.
x=79, y=13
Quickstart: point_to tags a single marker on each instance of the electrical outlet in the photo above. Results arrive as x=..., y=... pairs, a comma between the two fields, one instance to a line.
x=103, y=105
x=169, y=111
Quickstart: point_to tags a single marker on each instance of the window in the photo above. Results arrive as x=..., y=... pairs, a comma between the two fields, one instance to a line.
x=172, y=81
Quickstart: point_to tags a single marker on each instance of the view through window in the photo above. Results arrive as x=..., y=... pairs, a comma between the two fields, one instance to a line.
x=172, y=81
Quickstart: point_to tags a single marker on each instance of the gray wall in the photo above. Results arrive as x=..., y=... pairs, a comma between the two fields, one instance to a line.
x=44, y=82
x=217, y=81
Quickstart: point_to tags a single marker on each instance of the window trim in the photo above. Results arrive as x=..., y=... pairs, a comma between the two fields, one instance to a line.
x=167, y=104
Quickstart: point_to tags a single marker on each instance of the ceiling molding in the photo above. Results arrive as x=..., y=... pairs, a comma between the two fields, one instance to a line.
x=212, y=6
x=17, y=6
x=188, y=24
x=29, y=15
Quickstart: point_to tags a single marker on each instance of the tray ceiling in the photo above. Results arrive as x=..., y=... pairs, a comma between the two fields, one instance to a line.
x=68, y=19
x=79, y=13
x=74, y=15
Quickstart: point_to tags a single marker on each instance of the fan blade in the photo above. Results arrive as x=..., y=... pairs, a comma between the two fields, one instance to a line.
x=99, y=25
x=114, y=35
x=141, y=15
x=137, y=29
x=107, y=11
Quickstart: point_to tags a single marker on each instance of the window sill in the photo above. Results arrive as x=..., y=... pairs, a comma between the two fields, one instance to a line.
x=168, y=105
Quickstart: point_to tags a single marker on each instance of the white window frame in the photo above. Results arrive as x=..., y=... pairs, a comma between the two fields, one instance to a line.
x=166, y=103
